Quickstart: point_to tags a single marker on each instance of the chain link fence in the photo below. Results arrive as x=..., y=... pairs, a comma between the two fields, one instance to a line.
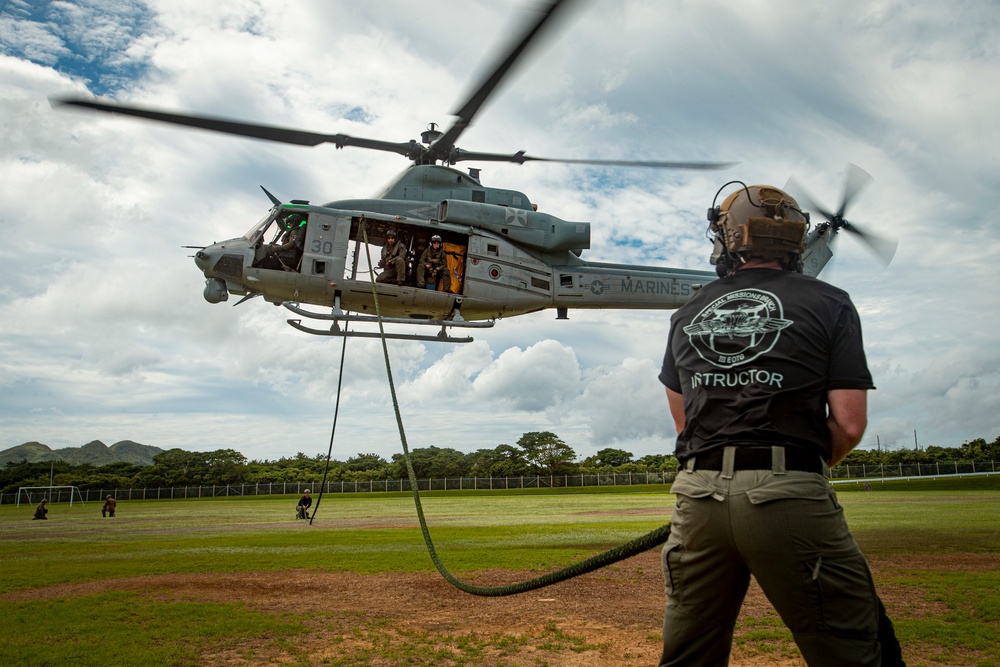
x=843, y=472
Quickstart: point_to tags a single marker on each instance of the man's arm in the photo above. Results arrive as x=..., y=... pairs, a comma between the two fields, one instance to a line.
x=676, y=402
x=847, y=421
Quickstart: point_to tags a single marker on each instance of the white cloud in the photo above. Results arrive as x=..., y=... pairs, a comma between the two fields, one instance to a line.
x=626, y=403
x=540, y=377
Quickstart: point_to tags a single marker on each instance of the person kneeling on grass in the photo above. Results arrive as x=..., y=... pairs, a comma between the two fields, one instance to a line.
x=304, y=504
x=41, y=510
x=109, y=507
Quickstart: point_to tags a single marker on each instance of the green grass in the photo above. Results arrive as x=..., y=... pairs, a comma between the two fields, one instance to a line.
x=228, y=535
x=128, y=629
x=525, y=531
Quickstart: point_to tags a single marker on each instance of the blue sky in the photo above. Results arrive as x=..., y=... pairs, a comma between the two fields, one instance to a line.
x=103, y=330
x=84, y=40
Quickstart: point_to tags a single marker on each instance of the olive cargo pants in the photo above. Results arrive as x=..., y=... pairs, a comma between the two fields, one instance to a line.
x=785, y=528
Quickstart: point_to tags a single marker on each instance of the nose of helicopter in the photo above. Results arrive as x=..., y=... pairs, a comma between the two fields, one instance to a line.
x=204, y=259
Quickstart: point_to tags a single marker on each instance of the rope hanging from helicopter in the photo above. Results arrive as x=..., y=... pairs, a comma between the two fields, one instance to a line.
x=621, y=552
x=333, y=428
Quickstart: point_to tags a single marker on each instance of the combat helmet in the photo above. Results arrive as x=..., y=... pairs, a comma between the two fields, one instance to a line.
x=757, y=221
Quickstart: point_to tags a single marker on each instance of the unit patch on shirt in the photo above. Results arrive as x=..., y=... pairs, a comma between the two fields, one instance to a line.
x=737, y=327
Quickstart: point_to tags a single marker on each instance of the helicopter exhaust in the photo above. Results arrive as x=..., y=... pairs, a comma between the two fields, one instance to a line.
x=540, y=231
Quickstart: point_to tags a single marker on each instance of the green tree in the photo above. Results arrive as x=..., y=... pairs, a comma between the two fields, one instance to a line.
x=15, y=475
x=659, y=462
x=433, y=462
x=549, y=454
x=175, y=467
x=119, y=475
x=612, y=457
x=863, y=457
x=366, y=462
x=980, y=450
x=502, y=461
x=223, y=466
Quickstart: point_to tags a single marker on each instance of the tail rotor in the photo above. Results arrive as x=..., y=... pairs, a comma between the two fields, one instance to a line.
x=857, y=180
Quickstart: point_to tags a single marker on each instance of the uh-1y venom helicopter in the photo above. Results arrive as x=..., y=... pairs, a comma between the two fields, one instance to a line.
x=505, y=258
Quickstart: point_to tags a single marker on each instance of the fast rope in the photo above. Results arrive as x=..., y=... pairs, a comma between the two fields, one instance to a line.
x=627, y=550
x=333, y=429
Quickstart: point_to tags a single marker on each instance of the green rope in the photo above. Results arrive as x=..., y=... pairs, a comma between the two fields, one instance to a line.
x=621, y=552
x=333, y=428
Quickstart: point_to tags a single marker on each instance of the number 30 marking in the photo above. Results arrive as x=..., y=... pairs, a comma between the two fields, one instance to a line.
x=322, y=247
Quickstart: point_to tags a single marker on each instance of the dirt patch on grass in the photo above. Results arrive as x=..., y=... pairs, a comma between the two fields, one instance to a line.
x=956, y=562
x=633, y=511
x=609, y=617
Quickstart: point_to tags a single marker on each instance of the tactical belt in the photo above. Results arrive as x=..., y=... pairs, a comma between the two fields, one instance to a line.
x=759, y=458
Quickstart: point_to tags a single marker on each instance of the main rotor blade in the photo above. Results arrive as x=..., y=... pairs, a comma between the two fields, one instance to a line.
x=467, y=111
x=253, y=130
x=459, y=155
x=856, y=181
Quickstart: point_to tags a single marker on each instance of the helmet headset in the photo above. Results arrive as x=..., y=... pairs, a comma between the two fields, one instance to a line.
x=756, y=221
x=291, y=222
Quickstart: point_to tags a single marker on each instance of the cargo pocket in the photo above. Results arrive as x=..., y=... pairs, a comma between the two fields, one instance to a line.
x=671, y=558
x=840, y=595
x=673, y=550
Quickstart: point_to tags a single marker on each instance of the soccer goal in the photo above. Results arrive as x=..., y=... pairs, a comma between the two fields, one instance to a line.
x=55, y=494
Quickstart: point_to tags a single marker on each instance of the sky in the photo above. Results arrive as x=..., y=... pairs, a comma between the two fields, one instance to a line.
x=104, y=334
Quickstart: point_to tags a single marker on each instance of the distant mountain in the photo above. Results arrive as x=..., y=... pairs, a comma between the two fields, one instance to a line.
x=30, y=451
x=95, y=453
x=133, y=452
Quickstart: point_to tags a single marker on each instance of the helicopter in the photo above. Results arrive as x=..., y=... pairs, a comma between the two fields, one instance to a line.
x=504, y=257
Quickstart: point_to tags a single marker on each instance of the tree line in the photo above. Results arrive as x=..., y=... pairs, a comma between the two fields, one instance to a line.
x=535, y=453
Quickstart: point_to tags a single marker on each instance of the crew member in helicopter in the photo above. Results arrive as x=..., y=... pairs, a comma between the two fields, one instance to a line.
x=432, y=264
x=393, y=261
x=286, y=254
x=766, y=381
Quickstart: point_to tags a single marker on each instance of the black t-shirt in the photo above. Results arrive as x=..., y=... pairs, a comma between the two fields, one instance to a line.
x=755, y=354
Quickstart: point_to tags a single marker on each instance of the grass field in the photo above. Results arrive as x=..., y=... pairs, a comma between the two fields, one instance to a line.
x=240, y=582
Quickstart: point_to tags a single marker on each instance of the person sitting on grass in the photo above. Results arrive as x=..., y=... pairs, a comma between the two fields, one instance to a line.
x=304, y=504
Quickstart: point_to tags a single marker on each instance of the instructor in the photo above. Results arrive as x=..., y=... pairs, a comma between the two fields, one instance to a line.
x=767, y=384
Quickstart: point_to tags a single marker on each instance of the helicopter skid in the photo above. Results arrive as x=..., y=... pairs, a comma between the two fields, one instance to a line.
x=372, y=319
x=441, y=337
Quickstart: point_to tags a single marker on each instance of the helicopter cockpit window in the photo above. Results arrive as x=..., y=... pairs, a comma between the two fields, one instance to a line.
x=256, y=231
x=279, y=243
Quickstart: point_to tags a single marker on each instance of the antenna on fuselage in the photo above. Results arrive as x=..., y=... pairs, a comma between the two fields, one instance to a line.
x=274, y=200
